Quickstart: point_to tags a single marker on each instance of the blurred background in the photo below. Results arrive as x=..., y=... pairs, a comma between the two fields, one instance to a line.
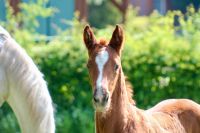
x=161, y=57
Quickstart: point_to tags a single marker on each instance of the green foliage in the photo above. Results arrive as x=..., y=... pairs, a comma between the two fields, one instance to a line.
x=23, y=26
x=8, y=122
x=160, y=60
x=39, y=9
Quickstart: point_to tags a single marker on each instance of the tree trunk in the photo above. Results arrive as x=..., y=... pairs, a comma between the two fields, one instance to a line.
x=15, y=6
x=81, y=7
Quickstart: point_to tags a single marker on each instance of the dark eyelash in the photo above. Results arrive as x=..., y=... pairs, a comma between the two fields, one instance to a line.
x=88, y=65
x=116, y=67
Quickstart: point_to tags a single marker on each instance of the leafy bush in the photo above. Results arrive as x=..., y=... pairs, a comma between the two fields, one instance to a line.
x=63, y=64
x=161, y=62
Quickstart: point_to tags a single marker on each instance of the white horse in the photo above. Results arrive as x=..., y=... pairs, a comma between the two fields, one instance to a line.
x=23, y=87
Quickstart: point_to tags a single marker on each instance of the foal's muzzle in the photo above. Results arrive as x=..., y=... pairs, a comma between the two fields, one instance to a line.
x=100, y=97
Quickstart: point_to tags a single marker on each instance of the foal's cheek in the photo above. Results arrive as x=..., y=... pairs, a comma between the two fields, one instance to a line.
x=116, y=75
x=112, y=83
x=91, y=80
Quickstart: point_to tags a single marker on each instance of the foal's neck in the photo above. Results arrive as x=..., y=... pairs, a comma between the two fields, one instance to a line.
x=35, y=115
x=116, y=117
x=120, y=100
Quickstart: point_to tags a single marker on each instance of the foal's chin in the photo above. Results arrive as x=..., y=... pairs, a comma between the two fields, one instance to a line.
x=101, y=108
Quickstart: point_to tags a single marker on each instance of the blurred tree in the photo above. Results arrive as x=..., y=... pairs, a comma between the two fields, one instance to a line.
x=145, y=7
x=122, y=6
x=103, y=13
x=15, y=6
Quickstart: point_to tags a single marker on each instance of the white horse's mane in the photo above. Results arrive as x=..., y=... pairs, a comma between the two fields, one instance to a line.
x=28, y=80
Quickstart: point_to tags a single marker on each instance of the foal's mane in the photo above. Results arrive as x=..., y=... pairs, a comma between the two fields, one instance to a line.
x=129, y=87
x=129, y=90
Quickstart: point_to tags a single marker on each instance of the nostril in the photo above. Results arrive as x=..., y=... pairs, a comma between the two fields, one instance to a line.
x=96, y=99
x=106, y=98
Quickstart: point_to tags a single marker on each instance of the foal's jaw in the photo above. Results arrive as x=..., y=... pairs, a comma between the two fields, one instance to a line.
x=102, y=107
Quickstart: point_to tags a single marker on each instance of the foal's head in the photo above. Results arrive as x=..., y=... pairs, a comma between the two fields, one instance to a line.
x=104, y=65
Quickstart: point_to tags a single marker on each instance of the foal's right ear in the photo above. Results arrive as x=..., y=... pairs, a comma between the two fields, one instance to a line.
x=88, y=37
x=116, y=42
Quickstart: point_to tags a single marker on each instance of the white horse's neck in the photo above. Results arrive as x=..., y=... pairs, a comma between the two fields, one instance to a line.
x=27, y=93
x=38, y=119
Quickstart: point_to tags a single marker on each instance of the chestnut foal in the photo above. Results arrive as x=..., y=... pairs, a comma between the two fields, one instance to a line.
x=115, y=109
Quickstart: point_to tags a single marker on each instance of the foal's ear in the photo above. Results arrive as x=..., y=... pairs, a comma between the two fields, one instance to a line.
x=116, y=41
x=88, y=37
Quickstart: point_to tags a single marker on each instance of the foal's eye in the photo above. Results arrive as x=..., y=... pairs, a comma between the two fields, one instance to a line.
x=116, y=67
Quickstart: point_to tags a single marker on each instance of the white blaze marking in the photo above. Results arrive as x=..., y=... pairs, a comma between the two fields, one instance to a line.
x=101, y=60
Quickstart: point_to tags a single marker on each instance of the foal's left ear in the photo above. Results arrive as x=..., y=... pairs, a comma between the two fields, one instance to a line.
x=116, y=41
x=88, y=37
